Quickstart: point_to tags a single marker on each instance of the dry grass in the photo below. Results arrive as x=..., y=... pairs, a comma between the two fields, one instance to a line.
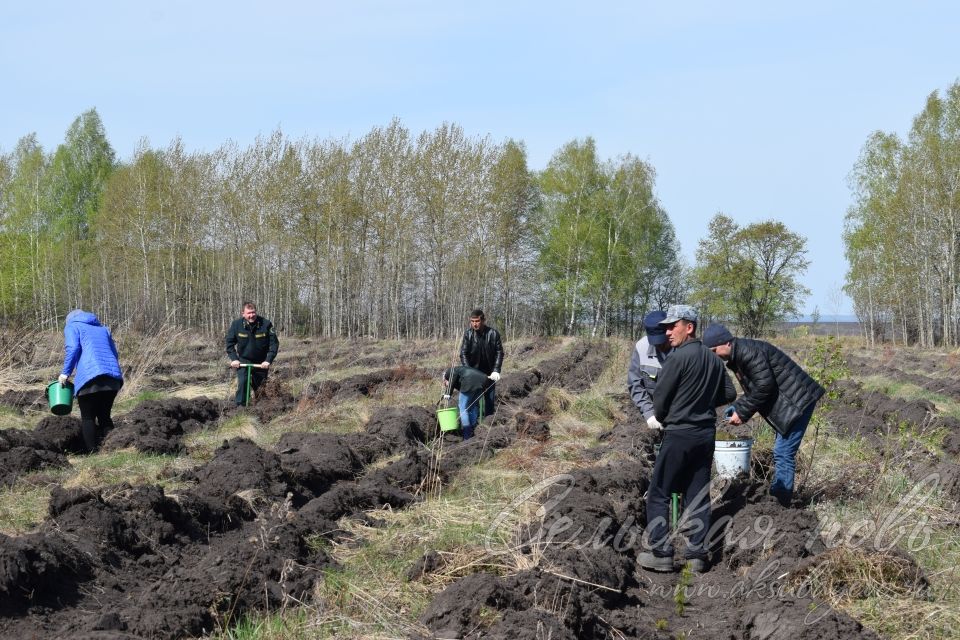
x=124, y=466
x=210, y=390
x=140, y=353
x=23, y=507
x=866, y=574
x=370, y=596
x=342, y=417
x=24, y=354
x=843, y=574
x=886, y=591
x=201, y=444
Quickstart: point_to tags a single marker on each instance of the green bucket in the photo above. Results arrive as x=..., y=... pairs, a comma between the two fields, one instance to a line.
x=449, y=419
x=60, y=398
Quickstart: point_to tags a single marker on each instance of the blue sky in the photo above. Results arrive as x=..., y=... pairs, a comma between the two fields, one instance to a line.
x=750, y=108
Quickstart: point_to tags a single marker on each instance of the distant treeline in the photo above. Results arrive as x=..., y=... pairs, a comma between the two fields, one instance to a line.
x=903, y=232
x=388, y=236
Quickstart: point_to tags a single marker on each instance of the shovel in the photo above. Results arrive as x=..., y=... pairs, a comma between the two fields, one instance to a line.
x=250, y=366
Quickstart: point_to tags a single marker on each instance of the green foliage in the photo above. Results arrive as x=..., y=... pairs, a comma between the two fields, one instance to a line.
x=901, y=233
x=291, y=624
x=604, y=239
x=828, y=366
x=24, y=204
x=79, y=172
x=750, y=275
x=680, y=592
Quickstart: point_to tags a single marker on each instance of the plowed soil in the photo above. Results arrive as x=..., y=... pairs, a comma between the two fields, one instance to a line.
x=242, y=534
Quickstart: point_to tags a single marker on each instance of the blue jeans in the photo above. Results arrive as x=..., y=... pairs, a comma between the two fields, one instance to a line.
x=469, y=404
x=785, y=458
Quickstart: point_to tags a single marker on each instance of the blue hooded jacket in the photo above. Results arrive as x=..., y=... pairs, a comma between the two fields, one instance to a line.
x=88, y=347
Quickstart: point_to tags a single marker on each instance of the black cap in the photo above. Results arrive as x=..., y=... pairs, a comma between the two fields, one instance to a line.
x=656, y=332
x=715, y=335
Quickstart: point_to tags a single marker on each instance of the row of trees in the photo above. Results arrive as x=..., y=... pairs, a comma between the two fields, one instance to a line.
x=391, y=235
x=902, y=234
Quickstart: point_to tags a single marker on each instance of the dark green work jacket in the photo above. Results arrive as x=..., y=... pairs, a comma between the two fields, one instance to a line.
x=252, y=343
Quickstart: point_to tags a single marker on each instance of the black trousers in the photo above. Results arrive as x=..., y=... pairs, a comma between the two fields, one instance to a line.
x=95, y=421
x=683, y=466
x=257, y=378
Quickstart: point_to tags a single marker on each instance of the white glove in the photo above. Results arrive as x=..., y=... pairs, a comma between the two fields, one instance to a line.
x=235, y=364
x=62, y=379
x=264, y=365
x=494, y=376
x=653, y=423
x=446, y=397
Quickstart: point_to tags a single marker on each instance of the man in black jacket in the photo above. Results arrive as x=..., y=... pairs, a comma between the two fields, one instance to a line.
x=692, y=383
x=482, y=349
x=251, y=339
x=775, y=387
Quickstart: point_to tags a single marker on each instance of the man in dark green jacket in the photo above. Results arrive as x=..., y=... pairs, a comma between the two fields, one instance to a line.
x=775, y=387
x=692, y=383
x=251, y=339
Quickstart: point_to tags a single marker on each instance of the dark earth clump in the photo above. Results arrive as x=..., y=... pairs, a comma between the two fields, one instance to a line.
x=271, y=400
x=361, y=385
x=45, y=447
x=136, y=560
x=429, y=562
x=158, y=426
x=316, y=461
x=23, y=401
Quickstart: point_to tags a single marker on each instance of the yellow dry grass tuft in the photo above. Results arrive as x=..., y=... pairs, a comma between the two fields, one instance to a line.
x=886, y=591
x=140, y=353
x=845, y=573
x=124, y=466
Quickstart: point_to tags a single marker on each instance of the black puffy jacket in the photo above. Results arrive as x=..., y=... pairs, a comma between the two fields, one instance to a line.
x=773, y=385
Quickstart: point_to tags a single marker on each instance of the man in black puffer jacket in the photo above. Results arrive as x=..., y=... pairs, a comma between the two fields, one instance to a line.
x=775, y=387
x=482, y=349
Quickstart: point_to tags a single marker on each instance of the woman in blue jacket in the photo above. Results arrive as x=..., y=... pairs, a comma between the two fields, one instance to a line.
x=90, y=353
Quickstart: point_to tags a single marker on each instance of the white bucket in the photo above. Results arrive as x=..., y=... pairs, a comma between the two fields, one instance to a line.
x=732, y=457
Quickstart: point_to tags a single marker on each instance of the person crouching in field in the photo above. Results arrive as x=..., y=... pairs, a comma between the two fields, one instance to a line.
x=471, y=383
x=90, y=353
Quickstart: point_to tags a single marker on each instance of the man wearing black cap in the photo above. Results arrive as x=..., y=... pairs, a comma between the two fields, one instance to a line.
x=645, y=365
x=692, y=384
x=775, y=387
